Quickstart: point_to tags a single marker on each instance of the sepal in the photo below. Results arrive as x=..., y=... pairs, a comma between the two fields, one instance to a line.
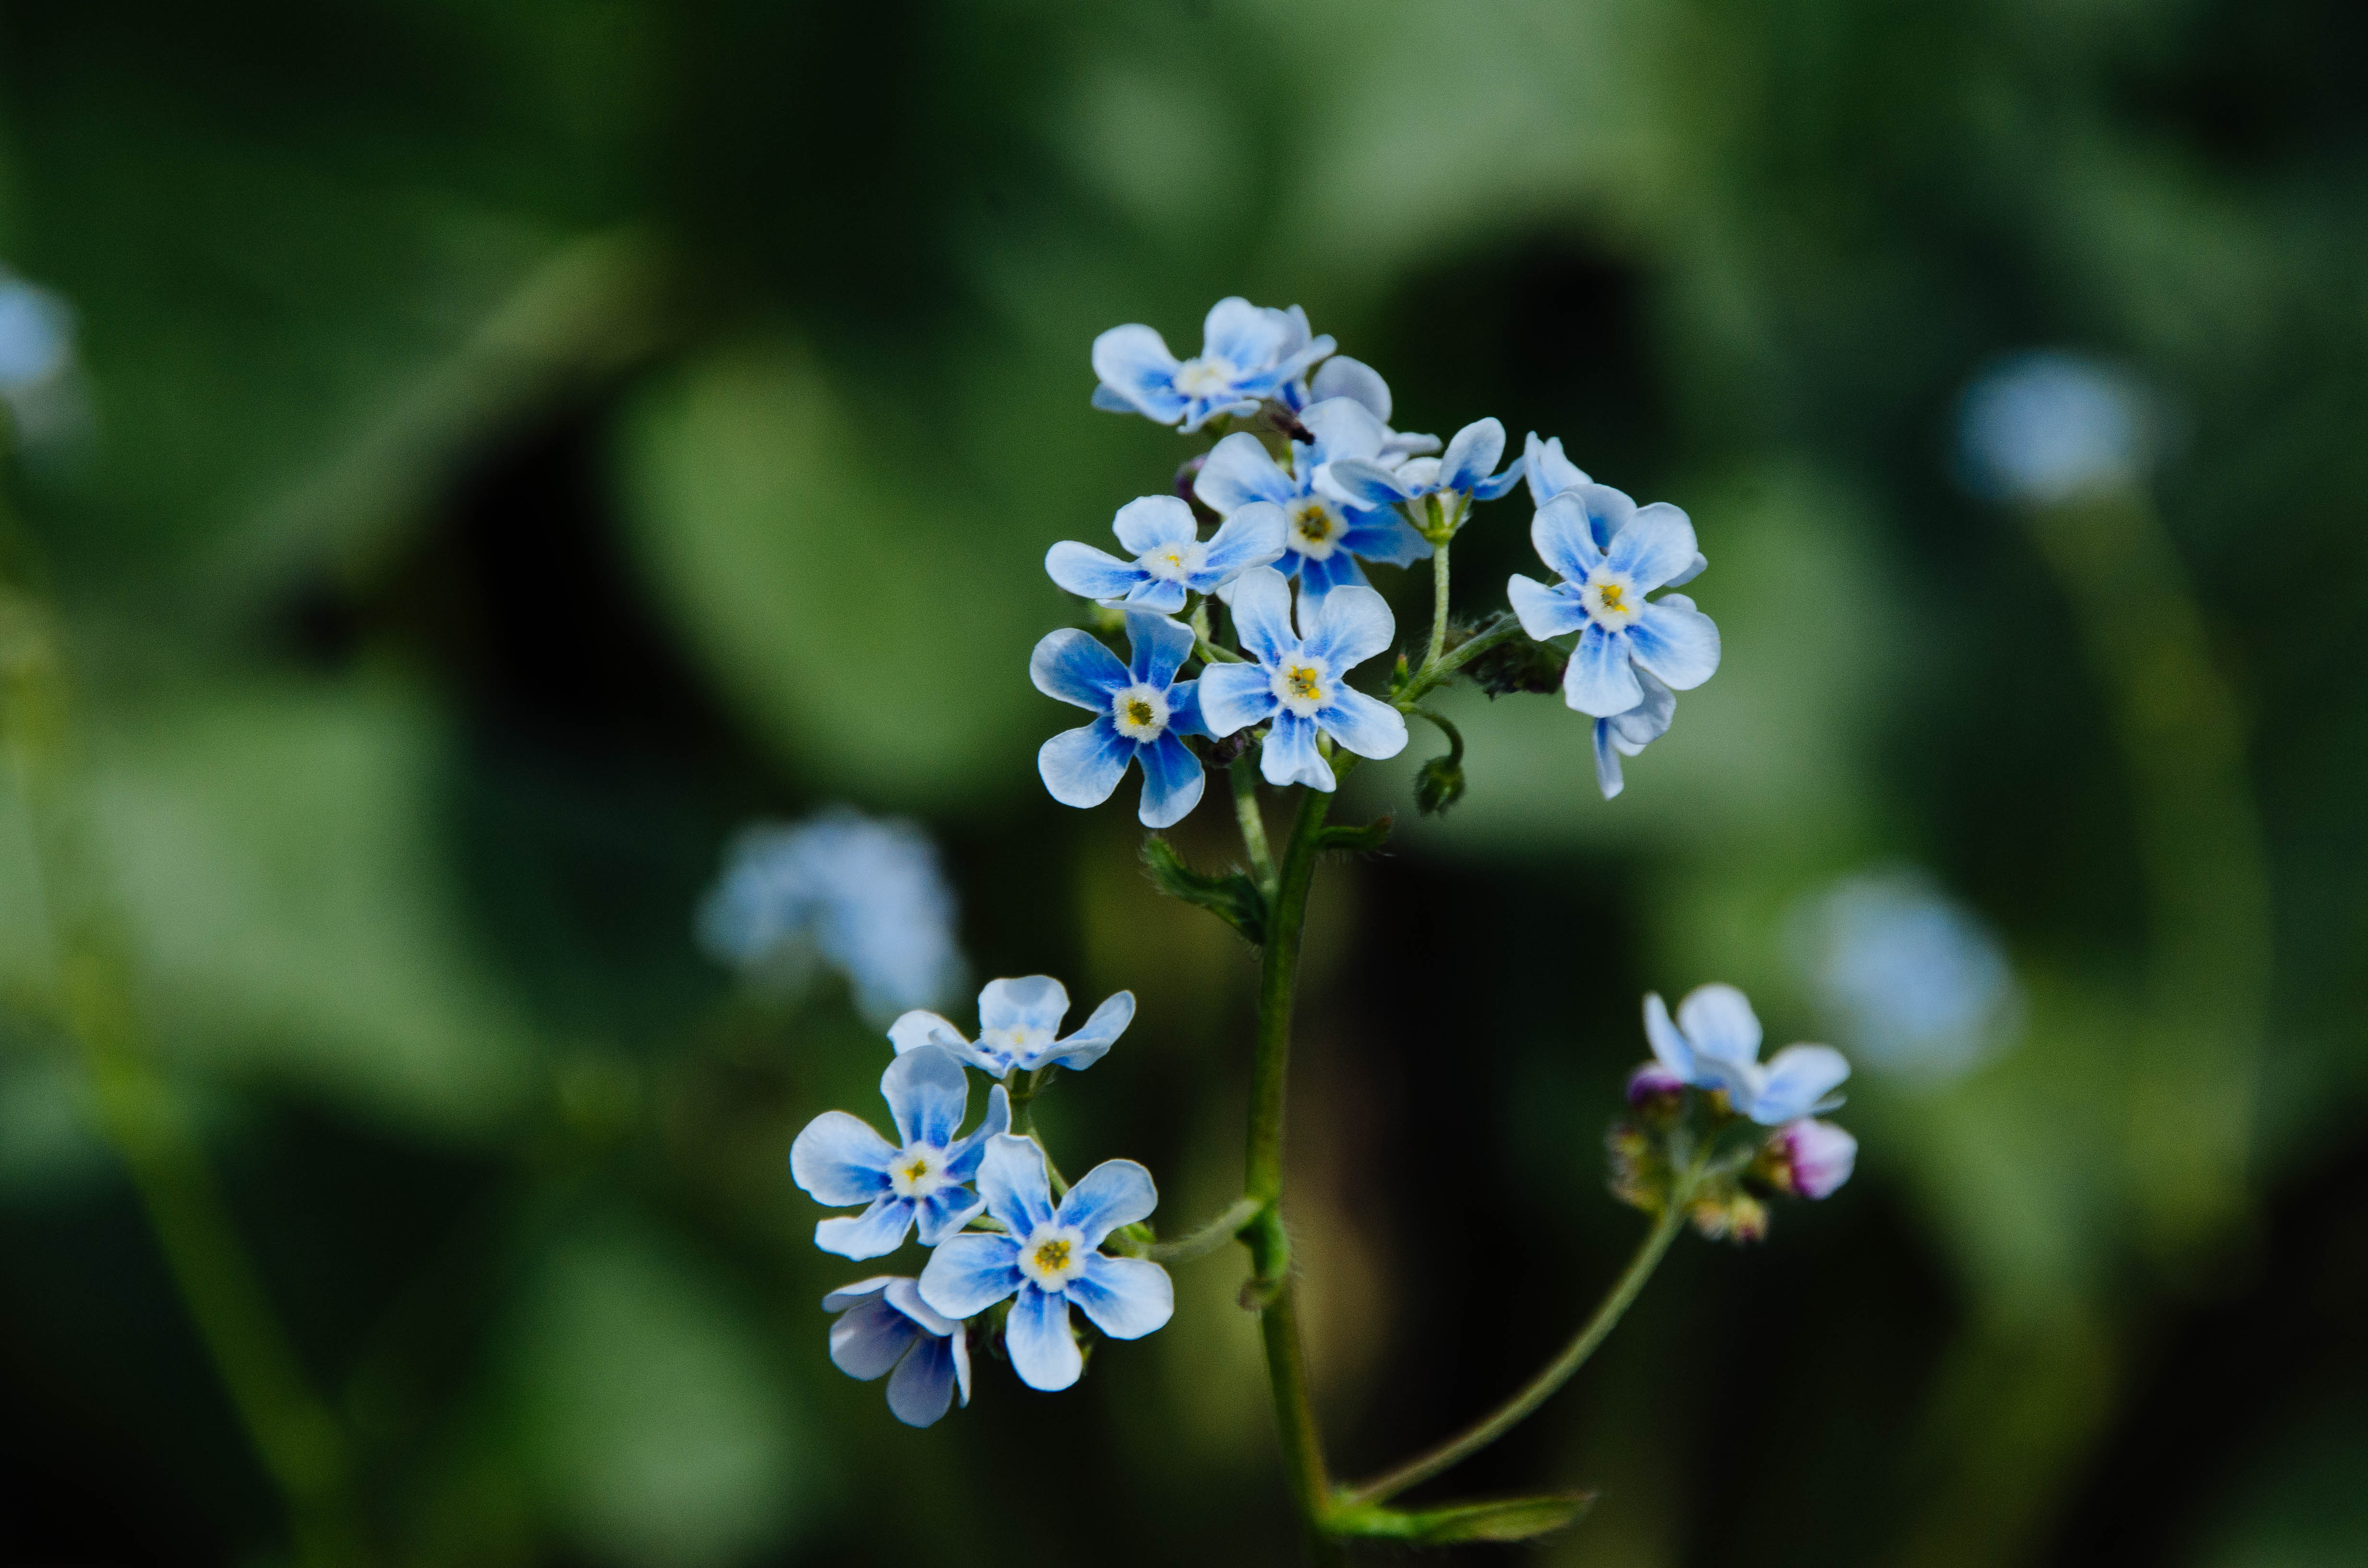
x=1518, y=665
x=1502, y=1519
x=1232, y=897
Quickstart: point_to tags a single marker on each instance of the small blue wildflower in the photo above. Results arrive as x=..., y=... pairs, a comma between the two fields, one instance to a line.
x=1326, y=534
x=1550, y=474
x=1603, y=591
x=1140, y=708
x=2047, y=426
x=1448, y=485
x=841, y=1161
x=1299, y=680
x=884, y=1325
x=1170, y=556
x=1018, y=1021
x=1915, y=982
x=1715, y=1044
x=1247, y=355
x=865, y=895
x=1047, y=1258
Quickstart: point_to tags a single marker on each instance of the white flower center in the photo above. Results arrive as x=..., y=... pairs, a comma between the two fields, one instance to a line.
x=1053, y=1254
x=917, y=1171
x=1612, y=598
x=1140, y=712
x=1302, y=683
x=1174, y=563
x=1209, y=375
x=1315, y=527
x=1014, y=1044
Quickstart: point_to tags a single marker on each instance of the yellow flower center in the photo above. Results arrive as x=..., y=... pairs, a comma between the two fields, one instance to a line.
x=1614, y=596
x=1053, y=1255
x=1303, y=681
x=1140, y=712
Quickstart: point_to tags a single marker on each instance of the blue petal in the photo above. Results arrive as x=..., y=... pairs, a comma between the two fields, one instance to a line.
x=1351, y=626
x=869, y=1337
x=1601, y=680
x=1289, y=756
x=1234, y=697
x=1385, y=536
x=1026, y=1001
x=1550, y=474
x=846, y=1296
x=1114, y=1193
x=1172, y=781
x=1609, y=512
x=1367, y=484
x=962, y=1158
x=1017, y=1190
x=1544, y=612
x=1607, y=761
x=1343, y=377
x=1072, y=665
x=1799, y=1078
x=1676, y=641
x=839, y=1160
x=1562, y=537
x=1648, y=721
x=1160, y=648
x=1037, y=1337
x=1318, y=578
x=970, y=1273
x=923, y=1389
x=1133, y=363
x=1184, y=709
x=1654, y=547
x=1490, y=489
x=1110, y=399
x=1158, y=597
x=1719, y=1023
x=928, y=1096
x=1125, y=1297
x=1094, y=1038
x=943, y=1212
x=919, y=1027
x=1343, y=428
x=1694, y=568
x=1253, y=536
x=1081, y=767
x=905, y=1295
x=1669, y=1046
x=1238, y=471
x=1366, y=725
x=1095, y=574
x=1252, y=337
x=1472, y=455
x=1145, y=523
x=1198, y=414
x=877, y=1231
x=1261, y=618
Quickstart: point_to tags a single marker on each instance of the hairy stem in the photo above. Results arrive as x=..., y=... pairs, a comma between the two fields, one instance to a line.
x=1246, y=810
x=1228, y=1226
x=1437, y=605
x=1436, y=670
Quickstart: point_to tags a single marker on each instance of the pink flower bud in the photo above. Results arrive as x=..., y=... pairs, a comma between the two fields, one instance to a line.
x=1809, y=1157
x=1654, y=1085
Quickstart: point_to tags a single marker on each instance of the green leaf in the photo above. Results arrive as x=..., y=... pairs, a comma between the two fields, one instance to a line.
x=1360, y=840
x=1503, y=1518
x=1232, y=897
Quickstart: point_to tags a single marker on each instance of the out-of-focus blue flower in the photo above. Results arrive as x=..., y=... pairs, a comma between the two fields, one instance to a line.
x=1808, y=1158
x=866, y=895
x=2047, y=426
x=1247, y=355
x=1169, y=555
x=1300, y=678
x=885, y=1325
x=36, y=335
x=1715, y=1044
x=1325, y=534
x=921, y=1180
x=1018, y=1021
x=1047, y=1259
x=1139, y=710
x=1603, y=591
x=1457, y=477
x=1913, y=981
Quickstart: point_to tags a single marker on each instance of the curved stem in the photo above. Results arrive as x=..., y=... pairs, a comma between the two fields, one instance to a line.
x=1434, y=672
x=1541, y=1388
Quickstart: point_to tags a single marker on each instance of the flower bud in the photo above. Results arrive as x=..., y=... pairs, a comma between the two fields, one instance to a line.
x=1725, y=1212
x=1439, y=784
x=1653, y=1089
x=1807, y=1158
x=1640, y=1176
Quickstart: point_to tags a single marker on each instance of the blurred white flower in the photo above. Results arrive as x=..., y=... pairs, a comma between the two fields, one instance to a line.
x=862, y=894
x=1914, y=982
x=2048, y=425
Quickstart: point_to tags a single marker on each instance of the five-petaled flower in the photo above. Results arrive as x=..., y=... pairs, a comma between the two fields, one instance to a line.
x=1139, y=708
x=884, y=1325
x=1046, y=1258
x=920, y=1180
x=1247, y=355
x=1326, y=532
x=1016, y=1022
x=1446, y=485
x=1602, y=598
x=1170, y=557
x=1299, y=678
x=1715, y=1044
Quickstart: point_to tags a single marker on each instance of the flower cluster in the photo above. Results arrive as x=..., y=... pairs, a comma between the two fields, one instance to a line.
x=1701, y=1110
x=1008, y=1259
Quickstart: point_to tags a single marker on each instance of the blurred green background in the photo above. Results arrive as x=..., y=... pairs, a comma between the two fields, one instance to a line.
x=511, y=447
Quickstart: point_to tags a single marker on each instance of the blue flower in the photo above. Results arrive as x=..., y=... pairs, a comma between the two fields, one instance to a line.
x=1047, y=1259
x=1551, y=473
x=1299, y=678
x=1016, y=1022
x=1715, y=1044
x=840, y=1161
x=1915, y=982
x=2046, y=427
x=1603, y=591
x=865, y=896
x=1169, y=557
x=1453, y=480
x=1626, y=734
x=884, y=1324
x=1326, y=533
x=1139, y=710
x=1247, y=355
x=1342, y=377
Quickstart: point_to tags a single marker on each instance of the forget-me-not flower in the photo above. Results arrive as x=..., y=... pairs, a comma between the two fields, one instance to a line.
x=1453, y=480
x=920, y=1180
x=1715, y=1044
x=885, y=1325
x=1342, y=377
x=1139, y=710
x=1550, y=474
x=1808, y=1158
x=1017, y=1023
x=1047, y=1259
x=1300, y=678
x=1603, y=591
x=1247, y=355
x=865, y=895
x=1170, y=557
x=1325, y=534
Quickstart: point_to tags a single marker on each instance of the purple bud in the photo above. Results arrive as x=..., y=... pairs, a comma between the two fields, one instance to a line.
x=1810, y=1158
x=1652, y=1084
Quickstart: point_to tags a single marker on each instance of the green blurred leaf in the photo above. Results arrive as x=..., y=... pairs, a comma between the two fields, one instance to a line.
x=1504, y=1519
x=1231, y=896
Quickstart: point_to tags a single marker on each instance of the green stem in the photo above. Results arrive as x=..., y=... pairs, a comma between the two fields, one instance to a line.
x=1211, y=653
x=1434, y=672
x=1023, y=1088
x=1225, y=1227
x=1541, y=1388
x=1253, y=821
x=1437, y=605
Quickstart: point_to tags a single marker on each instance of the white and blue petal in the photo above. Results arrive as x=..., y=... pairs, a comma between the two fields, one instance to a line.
x=1719, y=1023
x=1648, y=721
x=1288, y=754
x=1018, y=1192
x=877, y=1231
x=1148, y=522
x=1318, y=578
x=945, y=1211
x=1798, y=1080
x=1081, y=767
x=1385, y=536
x=1367, y=484
x=1341, y=377
x=1352, y=625
x=923, y=1389
x=871, y=1335
x=1036, y=1335
x=920, y=1026
x=839, y=1160
x=1343, y=428
x=1244, y=335
x=1136, y=366
x=1472, y=455
x=1669, y=1046
x=1028, y=1002
x=1160, y=648
x=962, y=1157
x=1114, y=1193
x=1237, y=473
x=1095, y=574
x=1094, y=1037
x=1608, y=776
x=1548, y=470
x=1544, y=611
x=1126, y=1298
x=928, y=1095
x=1491, y=489
x=1653, y=546
x=1172, y=780
x=1676, y=641
x=1184, y=710
x=1254, y=536
x=1261, y=607
x=970, y=1273
x=1562, y=535
x=1601, y=679
x=1234, y=697
x=1156, y=594
x=1365, y=725
x=1073, y=666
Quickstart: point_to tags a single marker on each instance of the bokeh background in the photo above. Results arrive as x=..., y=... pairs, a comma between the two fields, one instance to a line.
x=505, y=449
